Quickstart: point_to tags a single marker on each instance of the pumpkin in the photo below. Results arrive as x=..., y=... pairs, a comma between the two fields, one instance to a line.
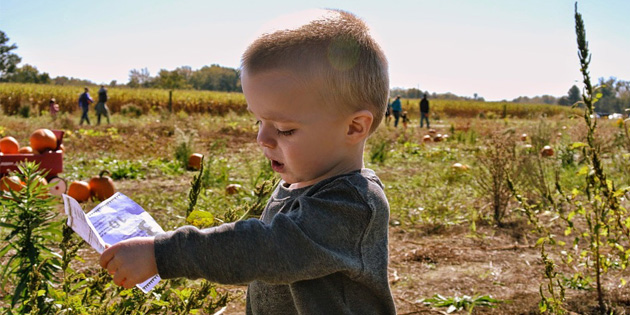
x=101, y=187
x=438, y=138
x=194, y=161
x=459, y=167
x=43, y=140
x=232, y=189
x=546, y=151
x=524, y=137
x=8, y=145
x=26, y=149
x=11, y=183
x=427, y=138
x=41, y=180
x=79, y=190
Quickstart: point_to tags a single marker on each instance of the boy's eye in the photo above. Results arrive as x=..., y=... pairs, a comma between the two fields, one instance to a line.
x=286, y=132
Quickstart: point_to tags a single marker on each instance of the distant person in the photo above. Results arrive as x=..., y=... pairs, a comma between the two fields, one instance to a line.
x=84, y=102
x=405, y=119
x=53, y=107
x=396, y=109
x=424, y=111
x=101, y=106
x=388, y=113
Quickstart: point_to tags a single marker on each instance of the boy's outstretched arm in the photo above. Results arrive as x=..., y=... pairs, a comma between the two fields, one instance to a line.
x=130, y=261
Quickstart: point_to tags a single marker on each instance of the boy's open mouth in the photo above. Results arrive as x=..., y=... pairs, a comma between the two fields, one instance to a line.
x=277, y=166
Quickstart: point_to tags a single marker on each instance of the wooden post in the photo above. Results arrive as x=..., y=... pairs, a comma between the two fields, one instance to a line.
x=170, y=101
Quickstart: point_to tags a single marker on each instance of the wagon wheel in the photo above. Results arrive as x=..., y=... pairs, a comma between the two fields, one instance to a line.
x=59, y=186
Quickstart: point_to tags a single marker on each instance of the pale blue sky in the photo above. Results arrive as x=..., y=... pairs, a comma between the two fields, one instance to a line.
x=500, y=49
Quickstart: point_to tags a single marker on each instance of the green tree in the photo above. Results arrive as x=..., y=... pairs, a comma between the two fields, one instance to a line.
x=63, y=80
x=8, y=60
x=28, y=74
x=612, y=95
x=574, y=95
x=564, y=101
x=176, y=79
x=216, y=78
x=140, y=78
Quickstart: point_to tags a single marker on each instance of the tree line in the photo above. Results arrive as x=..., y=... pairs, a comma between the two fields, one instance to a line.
x=212, y=78
x=615, y=94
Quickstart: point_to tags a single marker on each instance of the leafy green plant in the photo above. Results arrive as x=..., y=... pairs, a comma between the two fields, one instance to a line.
x=25, y=111
x=578, y=282
x=379, y=152
x=125, y=169
x=194, y=190
x=30, y=262
x=469, y=136
x=185, y=146
x=457, y=303
x=554, y=302
x=131, y=110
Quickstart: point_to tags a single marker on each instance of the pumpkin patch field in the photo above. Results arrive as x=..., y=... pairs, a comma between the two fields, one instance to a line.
x=503, y=215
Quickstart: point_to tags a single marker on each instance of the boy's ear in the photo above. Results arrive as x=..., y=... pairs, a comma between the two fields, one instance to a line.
x=359, y=125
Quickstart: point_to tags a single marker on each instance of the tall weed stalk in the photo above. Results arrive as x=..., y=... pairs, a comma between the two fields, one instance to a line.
x=29, y=262
x=607, y=228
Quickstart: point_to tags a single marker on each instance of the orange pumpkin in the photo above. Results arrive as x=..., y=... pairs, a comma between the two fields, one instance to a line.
x=79, y=190
x=459, y=167
x=231, y=189
x=102, y=187
x=43, y=140
x=546, y=151
x=427, y=138
x=11, y=183
x=8, y=145
x=25, y=149
x=194, y=161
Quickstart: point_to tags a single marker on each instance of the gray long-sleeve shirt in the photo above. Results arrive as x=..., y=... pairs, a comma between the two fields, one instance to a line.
x=320, y=249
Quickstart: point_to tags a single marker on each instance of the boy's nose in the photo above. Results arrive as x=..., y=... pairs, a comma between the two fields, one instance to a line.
x=265, y=137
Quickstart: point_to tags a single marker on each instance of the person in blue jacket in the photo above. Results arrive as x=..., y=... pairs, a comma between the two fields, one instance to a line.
x=396, y=110
x=84, y=102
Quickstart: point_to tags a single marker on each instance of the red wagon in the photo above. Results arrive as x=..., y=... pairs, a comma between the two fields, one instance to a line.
x=51, y=161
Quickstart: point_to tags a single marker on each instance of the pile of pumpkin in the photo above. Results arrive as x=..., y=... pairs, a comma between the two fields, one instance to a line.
x=41, y=140
x=98, y=187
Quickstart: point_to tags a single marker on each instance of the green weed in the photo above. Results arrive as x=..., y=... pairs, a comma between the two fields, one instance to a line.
x=457, y=303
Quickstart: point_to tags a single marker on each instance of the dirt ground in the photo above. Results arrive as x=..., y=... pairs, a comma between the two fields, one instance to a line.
x=501, y=263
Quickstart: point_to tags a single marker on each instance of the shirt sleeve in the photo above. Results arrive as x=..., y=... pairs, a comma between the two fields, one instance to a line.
x=320, y=235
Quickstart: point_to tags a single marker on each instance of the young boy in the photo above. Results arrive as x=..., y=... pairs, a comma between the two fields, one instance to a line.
x=320, y=246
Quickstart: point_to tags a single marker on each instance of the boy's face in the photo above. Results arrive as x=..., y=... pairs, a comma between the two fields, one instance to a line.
x=304, y=138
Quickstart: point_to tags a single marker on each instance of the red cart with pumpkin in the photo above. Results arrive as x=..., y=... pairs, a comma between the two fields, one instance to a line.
x=50, y=161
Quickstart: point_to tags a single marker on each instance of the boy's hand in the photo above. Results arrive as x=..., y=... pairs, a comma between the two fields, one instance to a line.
x=130, y=261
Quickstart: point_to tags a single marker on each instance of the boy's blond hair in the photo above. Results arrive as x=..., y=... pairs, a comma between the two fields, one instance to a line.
x=338, y=56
